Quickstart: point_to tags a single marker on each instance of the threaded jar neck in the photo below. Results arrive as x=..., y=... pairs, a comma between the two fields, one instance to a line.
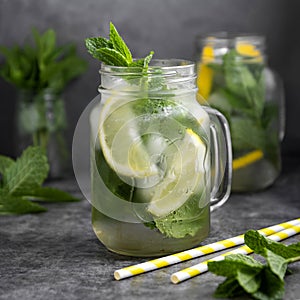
x=161, y=76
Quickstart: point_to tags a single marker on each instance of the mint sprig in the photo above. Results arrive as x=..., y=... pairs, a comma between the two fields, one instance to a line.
x=114, y=51
x=245, y=275
x=21, y=182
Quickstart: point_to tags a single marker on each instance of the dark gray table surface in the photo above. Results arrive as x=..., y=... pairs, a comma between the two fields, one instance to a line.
x=55, y=255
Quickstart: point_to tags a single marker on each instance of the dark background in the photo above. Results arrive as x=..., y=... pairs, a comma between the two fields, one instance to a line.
x=169, y=27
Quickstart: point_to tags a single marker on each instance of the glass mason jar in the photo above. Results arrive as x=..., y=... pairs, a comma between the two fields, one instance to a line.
x=233, y=77
x=41, y=121
x=159, y=163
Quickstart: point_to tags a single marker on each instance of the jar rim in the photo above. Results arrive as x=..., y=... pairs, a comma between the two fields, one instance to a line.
x=166, y=65
x=231, y=37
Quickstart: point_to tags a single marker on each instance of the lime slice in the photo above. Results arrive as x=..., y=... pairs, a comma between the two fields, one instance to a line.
x=184, y=179
x=122, y=144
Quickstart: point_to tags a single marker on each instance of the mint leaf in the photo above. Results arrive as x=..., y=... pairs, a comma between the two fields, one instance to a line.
x=242, y=82
x=143, y=62
x=50, y=194
x=232, y=264
x=229, y=288
x=114, y=51
x=246, y=134
x=249, y=279
x=29, y=172
x=258, y=243
x=147, y=59
x=118, y=43
x=261, y=281
x=112, y=57
x=271, y=288
x=277, y=263
x=95, y=43
x=294, y=247
x=184, y=221
x=22, y=180
x=16, y=205
x=5, y=162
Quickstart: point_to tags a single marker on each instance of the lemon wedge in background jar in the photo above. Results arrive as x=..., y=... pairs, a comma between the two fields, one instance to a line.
x=184, y=179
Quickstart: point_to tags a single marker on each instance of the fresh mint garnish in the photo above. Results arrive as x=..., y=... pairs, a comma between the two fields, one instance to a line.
x=21, y=182
x=114, y=51
x=118, y=43
x=245, y=275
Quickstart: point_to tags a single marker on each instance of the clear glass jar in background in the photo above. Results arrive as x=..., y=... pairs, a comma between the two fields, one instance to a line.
x=234, y=77
x=40, y=120
x=159, y=161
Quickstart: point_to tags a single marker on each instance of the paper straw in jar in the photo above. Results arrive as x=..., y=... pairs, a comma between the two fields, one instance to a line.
x=195, y=252
x=203, y=267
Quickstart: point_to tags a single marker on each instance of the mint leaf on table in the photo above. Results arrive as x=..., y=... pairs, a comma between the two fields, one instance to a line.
x=241, y=269
x=245, y=275
x=16, y=205
x=249, y=279
x=271, y=288
x=259, y=244
x=232, y=264
x=229, y=288
x=277, y=263
x=50, y=194
x=22, y=182
x=29, y=172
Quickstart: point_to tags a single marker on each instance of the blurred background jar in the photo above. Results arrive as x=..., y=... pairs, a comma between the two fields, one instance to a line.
x=40, y=70
x=234, y=77
x=40, y=120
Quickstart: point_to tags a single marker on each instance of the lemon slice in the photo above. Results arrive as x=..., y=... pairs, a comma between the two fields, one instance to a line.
x=205, y=74
x=122, y=144
x=247, y=49
x=184, y=179
x=247, y=159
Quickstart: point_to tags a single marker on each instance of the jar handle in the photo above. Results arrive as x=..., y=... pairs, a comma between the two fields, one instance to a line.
x=221, y=163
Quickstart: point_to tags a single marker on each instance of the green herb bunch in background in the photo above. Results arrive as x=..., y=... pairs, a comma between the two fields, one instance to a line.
x=41, y=71
x=42, y=65
x=21, y=183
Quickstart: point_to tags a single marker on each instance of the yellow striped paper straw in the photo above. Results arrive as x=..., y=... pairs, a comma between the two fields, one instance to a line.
x=202, y=267
x=196, y=252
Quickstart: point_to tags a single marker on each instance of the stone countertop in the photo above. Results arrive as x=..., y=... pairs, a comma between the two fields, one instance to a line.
x=56, y=255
